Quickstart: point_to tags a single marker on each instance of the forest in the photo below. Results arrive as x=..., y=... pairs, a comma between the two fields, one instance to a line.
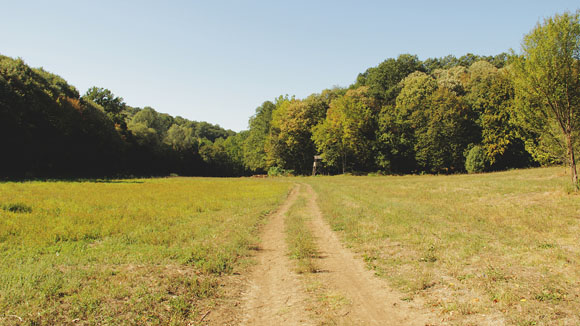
x=404, y=116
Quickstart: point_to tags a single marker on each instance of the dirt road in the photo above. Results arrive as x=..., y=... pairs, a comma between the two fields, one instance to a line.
x=275, y=295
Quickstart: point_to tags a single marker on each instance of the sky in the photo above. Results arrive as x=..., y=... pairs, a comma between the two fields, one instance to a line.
x=217, y=61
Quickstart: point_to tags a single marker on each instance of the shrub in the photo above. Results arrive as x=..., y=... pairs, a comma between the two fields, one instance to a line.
x=279, y=172
x=475, y=161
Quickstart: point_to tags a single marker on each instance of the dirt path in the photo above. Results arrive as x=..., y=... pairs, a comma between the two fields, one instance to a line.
x=275, y=295
x=372, y=302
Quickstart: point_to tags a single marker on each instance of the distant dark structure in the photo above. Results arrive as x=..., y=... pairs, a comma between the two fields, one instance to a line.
x=317, y=161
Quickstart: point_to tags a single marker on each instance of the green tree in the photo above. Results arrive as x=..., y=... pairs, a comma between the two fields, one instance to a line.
x=234, y=147
x=490, y=93
x=160, y=122
x=453, y=79
x=290, y=144
x=443, y=132
x=254, y=144
x=181, y=138
x=383, y=81
x=429, y=128
x=397, y=124
x=112, y=104
x=47, y=130
x=547, y=82
x=347, y=137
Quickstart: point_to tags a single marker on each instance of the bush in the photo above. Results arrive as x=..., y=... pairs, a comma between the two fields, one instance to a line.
x=475, y=161
x=279, y=172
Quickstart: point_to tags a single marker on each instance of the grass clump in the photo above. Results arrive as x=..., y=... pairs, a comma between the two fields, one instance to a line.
x=17, y=208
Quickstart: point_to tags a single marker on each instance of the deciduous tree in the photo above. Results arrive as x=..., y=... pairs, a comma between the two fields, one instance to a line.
x=547, y=82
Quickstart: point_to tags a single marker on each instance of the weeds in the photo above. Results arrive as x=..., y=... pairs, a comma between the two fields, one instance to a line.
x=17, y=208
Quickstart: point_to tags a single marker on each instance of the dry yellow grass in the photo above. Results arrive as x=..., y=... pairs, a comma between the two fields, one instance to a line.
x=498, y=248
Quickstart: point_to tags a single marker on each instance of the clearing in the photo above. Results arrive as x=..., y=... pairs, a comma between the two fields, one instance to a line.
x=489, y=249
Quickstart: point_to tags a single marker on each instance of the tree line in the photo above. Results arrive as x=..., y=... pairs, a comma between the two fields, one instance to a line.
x=47, y=130
x=402, y=116
x=441, y=115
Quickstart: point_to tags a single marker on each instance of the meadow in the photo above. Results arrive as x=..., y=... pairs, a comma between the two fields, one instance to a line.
x=497, y=248
x=143, y=251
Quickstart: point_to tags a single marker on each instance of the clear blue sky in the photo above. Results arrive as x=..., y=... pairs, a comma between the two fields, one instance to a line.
x=217, y=61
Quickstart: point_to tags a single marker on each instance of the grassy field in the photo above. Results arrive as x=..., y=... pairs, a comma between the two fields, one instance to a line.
x=479, y=249
x=146, y=251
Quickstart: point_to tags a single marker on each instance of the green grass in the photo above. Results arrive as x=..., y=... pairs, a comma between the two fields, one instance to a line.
x=477, y=248
x=149, y=251
x=498, y=246
x=301, y=243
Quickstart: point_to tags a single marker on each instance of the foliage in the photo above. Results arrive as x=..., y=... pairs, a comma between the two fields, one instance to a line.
x=48, y=130
x=547, y=81
x=383, y=81
x=275, y=171
x=397, y=125
x=443, y=131
x=450, y=61
x=475, y=160
x=428, y=129
x=254, y=145
x=113, y=106
x=347, y=136
x=289, y=143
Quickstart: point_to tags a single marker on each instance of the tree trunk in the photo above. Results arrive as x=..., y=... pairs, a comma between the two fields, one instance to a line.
x=572, y=161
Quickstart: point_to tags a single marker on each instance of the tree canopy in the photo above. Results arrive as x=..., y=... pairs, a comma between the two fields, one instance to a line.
x=547, y=82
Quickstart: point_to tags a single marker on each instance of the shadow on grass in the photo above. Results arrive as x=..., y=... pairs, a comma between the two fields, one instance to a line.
x=79, y=180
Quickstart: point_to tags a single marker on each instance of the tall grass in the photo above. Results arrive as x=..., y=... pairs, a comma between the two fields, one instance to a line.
x=124, y=252
x=478, y=248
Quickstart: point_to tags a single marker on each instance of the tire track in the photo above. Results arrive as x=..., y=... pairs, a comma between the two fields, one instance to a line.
x=275, y=295
x=372, y=301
